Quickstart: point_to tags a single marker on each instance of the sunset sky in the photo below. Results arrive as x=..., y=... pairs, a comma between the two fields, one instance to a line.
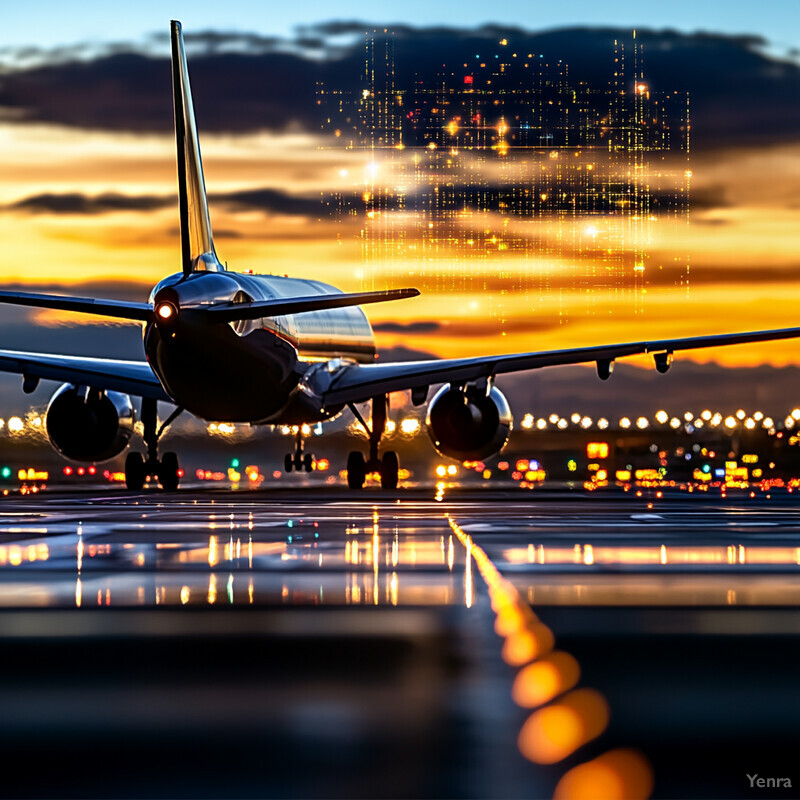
x=88, y=208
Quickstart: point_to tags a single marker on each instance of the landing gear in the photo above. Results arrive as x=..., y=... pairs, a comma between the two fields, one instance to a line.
x=169, y=472
x=135, y=473
x=298, y=460
x=356, y=470
x=137, y=467
x=390, y=466
x=387, y=467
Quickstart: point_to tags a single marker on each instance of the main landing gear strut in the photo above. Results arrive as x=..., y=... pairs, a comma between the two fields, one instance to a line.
x=298, y=460
x=138, y=468
x=357, y=466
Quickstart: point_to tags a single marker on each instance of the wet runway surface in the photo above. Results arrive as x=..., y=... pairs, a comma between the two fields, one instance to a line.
x=313, y=643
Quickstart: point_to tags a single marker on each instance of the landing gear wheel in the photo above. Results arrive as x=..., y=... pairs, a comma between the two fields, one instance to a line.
x=288, y=462
x=168, y=472
x=308, y=462
x=134, y=472
x=390, y=466
x=356, y=470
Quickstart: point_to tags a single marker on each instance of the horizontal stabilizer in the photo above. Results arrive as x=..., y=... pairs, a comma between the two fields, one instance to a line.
x=86, y=305
x=231, y=312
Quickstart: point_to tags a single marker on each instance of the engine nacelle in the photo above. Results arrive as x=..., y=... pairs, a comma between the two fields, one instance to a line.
x=89, y=424
x=468, y=425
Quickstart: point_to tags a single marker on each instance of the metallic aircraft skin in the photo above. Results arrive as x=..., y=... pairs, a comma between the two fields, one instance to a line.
x=249, y=370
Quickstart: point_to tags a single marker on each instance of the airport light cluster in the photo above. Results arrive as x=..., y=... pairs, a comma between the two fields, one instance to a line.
x=697, y=450
x=690, y=421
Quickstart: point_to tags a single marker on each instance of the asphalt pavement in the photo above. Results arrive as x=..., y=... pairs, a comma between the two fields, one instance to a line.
x=313, y=642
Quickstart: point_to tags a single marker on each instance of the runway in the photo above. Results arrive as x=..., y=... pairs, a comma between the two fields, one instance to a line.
x=315, y=643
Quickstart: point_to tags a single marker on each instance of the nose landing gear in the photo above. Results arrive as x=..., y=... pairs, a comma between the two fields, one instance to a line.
x=138, y=468
x=298, y=460
x=388, y=466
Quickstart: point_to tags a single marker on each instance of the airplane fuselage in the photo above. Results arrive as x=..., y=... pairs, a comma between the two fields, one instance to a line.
x=250, y=370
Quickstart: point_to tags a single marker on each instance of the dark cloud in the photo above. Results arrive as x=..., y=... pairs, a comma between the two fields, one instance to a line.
x=131, y=290
x=401, y=353
x=711, y=222
x=273, y=201
x=208, y=42
x=245, y=82
x=512, y=201
x=337, y=28
x=476, y=328
x=709, y=197
x=407, y=327
x=311, y=43
x=267, y=200
x=724, y=275
x=480, y=326
x=75, y=203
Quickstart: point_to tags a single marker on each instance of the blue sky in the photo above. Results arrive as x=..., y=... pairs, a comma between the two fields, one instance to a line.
x=49, y=22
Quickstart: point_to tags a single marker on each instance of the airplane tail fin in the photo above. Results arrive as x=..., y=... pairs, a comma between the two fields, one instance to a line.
x=197, y=244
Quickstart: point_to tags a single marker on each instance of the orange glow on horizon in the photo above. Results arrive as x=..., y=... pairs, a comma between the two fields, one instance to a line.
x=742, y=280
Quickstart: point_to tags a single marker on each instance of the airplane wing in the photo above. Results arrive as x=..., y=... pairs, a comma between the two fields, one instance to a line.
x=130, y=377
x=357, y=383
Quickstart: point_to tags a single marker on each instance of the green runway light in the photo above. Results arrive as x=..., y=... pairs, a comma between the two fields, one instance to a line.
x=6, y=472
x=235, y=463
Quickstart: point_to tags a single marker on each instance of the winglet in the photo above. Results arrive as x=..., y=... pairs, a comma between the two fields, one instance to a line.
x=197, y=245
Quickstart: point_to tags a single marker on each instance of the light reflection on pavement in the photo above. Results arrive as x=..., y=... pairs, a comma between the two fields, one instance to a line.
x=232, y=553
x=111, y=550
x=608, y=577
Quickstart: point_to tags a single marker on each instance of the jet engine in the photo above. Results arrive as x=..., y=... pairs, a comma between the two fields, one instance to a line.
x=89, y=424
x=468, y=424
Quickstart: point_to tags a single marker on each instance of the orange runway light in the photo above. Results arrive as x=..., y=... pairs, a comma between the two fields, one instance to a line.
x=617, y=775
x=529, y=643
x=511, y=619
x=540, y=682
x=556, y=731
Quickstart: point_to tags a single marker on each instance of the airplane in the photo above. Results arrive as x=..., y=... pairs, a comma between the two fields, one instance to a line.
x=263, y=349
